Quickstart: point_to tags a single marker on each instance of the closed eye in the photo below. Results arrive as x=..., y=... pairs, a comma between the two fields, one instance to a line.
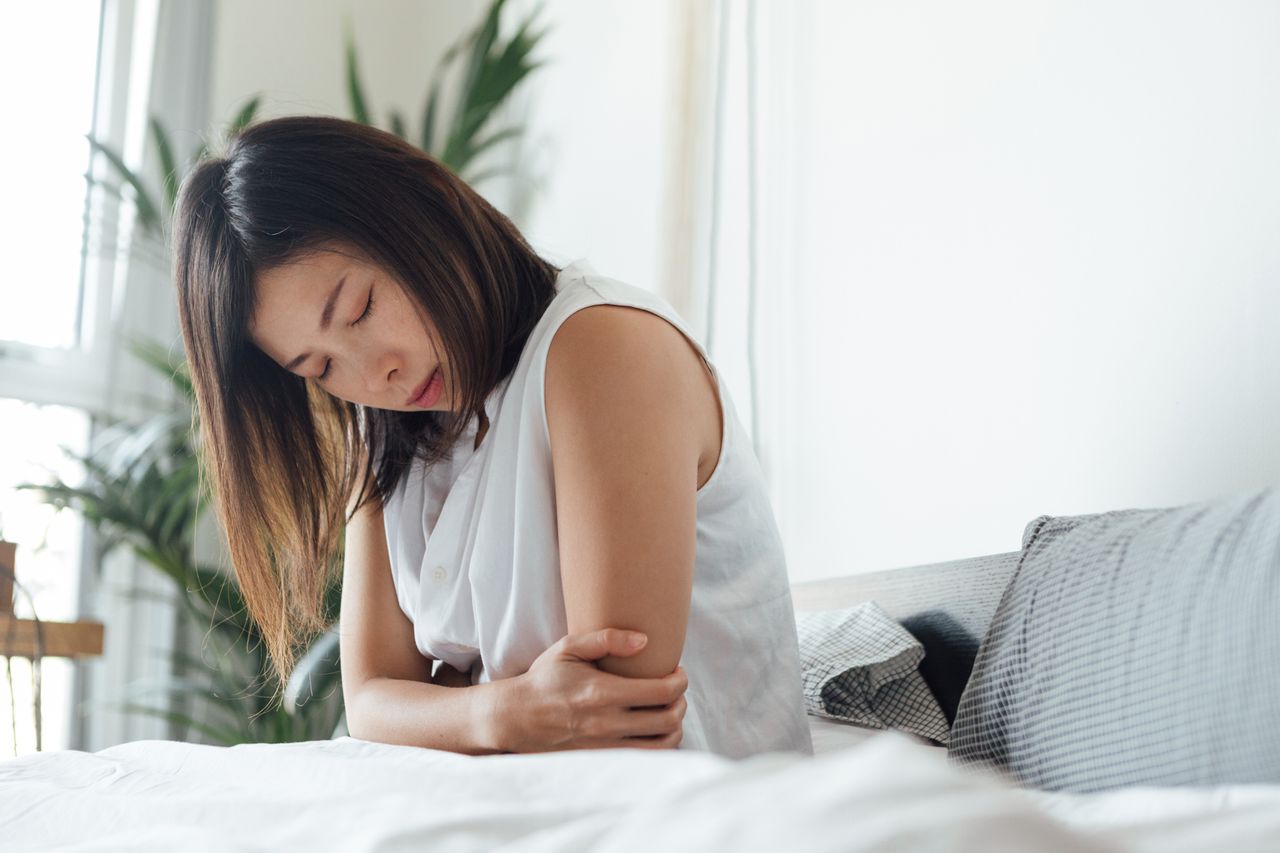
x=368, y=309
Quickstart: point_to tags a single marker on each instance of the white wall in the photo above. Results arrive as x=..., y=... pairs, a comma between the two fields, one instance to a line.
x=608, y=138
x=1036, y=270
x=292, y=52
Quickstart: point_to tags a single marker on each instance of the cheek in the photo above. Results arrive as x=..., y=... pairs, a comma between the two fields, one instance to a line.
x=413, y=326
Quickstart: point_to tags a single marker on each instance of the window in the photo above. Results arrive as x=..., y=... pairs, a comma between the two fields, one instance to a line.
x=48, y=561
x=50, y=341
x=49, y=58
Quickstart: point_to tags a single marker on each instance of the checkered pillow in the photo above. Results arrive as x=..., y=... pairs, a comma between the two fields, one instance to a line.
x=859, y=665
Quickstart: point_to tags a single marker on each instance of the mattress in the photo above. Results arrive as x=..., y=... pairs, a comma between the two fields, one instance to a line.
x=865, y=790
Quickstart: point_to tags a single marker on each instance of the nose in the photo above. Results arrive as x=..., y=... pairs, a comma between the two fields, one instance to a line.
x=382, y=376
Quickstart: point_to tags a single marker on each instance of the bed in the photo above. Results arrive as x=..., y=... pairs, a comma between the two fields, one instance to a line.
x=1001, y=783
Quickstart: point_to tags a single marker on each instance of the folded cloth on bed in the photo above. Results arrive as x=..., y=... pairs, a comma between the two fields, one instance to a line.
x=858, y=664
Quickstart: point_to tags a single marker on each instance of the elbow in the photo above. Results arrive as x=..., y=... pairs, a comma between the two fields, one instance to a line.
x=657, y=658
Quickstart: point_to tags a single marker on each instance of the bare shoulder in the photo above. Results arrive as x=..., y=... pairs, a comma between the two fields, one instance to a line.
x=630, y=347
x=604, y=329
x=629, y=367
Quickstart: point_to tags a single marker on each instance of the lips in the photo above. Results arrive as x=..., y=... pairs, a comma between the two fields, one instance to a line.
x=422, y=389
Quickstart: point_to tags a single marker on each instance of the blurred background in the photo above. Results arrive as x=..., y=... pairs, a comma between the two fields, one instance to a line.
x=959, y=264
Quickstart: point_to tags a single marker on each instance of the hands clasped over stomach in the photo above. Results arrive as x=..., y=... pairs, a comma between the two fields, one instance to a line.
x=566, y=702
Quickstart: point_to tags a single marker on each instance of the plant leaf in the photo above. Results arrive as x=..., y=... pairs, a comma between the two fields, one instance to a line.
x=496, y=76
x=355, y=94
x=168, y=167
x=481, y=45
x=493, y=140
x=226, y=737
x=433, y=99
x=246, y=114
x=489, y=173
x=159, y=358
x=429, y=117
x=147, y=211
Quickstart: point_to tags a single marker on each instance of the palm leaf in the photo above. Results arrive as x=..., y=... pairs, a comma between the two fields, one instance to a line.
x=224, y=736
x=489, y=173
x=168, y=167
x=246, y=114
x=494, y=139
x=176, y=521
x=355, y=93
x=226, y=702
x=397, y=125
x=159, y=358
x=114, y=189
x=496, y=75
x=429, y=111
x=148, y=214
x=433, y=99
x=315, y=672
x=481, y=45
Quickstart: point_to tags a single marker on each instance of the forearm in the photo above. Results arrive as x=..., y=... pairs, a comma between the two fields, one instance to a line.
x=416, y=713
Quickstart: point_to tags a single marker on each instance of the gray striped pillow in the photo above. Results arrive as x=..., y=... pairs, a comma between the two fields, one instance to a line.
x=1135, y=647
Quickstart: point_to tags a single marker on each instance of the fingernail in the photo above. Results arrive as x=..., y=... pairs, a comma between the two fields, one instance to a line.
x=636, y=640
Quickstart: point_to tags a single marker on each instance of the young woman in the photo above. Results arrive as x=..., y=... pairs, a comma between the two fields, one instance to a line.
x=530, y=463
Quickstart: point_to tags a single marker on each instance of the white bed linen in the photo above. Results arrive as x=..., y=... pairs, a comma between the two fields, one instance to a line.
x=888, y=792
x=830, y=735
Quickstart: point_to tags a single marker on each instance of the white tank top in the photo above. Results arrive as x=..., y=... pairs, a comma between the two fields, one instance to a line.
x=474, y=554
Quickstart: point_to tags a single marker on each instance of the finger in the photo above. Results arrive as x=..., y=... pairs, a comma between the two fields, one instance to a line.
x=597, y=644
x=649, y=692
x=645, y=743
x=642, y=723
x=671, y=741
x=625, y=691
x=615, y=743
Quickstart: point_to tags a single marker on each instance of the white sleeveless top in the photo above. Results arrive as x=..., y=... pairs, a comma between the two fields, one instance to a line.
x=474, y=555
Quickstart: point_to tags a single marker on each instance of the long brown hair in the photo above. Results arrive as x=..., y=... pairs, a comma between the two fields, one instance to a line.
x=284, y=457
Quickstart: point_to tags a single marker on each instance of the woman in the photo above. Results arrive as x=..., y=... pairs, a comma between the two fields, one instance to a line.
x=371, y=345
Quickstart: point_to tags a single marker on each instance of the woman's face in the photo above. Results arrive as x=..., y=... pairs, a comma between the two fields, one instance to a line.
x=314, y=319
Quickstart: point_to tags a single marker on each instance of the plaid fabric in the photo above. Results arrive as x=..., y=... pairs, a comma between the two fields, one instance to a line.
x=858, y=664
x=1135, y=647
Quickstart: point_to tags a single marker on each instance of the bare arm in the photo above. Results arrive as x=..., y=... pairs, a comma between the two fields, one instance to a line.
x=625, y=392
x=434, y=716
x=387, y=683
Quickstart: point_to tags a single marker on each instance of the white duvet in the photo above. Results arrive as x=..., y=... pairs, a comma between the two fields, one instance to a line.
x=882, y=791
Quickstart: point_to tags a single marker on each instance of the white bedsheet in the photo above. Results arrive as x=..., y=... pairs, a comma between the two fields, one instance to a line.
x=885, y=792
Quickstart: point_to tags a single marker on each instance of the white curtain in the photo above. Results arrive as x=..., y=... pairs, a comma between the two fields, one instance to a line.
x=978, y=262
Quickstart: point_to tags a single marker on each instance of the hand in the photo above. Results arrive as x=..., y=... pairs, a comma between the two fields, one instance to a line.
x=565, y=702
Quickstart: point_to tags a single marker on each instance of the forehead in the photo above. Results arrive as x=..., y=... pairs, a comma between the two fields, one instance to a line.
x=310, y=274
x=288, y=299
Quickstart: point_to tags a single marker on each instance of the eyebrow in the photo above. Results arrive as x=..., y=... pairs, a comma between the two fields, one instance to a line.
x=326, y=318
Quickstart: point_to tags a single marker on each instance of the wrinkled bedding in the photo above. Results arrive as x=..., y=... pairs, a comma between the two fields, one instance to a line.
x=864, y=791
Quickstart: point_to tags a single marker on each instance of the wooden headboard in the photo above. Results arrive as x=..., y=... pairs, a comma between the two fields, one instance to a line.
x=946, y=606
